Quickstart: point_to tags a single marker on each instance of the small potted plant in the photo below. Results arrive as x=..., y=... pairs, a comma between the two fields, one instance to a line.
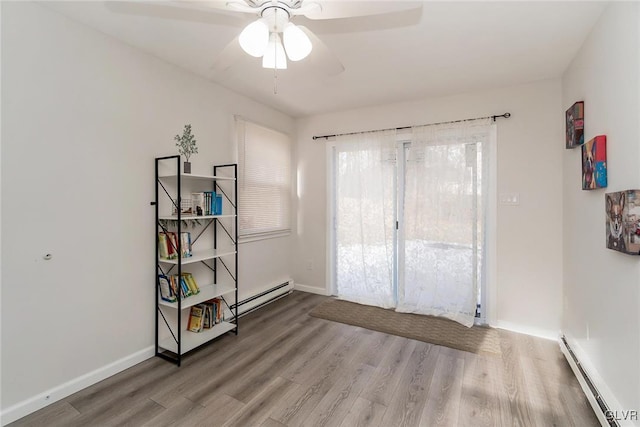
x=186, y=146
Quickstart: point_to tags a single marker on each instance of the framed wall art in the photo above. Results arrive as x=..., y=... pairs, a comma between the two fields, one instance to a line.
x=594, y=163
x=575, y=125
x=623, y=221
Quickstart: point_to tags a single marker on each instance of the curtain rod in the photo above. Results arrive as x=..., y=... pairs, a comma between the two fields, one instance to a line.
x=505, y=116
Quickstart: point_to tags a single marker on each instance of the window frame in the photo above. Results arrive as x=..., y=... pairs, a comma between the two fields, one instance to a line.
x=264, y=233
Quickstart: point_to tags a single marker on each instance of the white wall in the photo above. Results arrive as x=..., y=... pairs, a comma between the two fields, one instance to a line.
x=529, y=236
x=84, y=117
x=602, y=287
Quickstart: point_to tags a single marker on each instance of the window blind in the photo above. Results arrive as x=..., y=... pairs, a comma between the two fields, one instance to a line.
x=264, y=174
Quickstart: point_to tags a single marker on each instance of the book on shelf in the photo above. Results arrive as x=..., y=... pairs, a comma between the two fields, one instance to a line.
x=208, y=197
x=219, y=310
x=185, y=239
x=218, y=204
x=208, y=316
x=191, y=282
x=196, y=318
x=185, y=288
x=172, y=286
x=213, y=312
x=166, y=292
x=198, y=204
x=163, y=246
x=207, y=203
x=172, y=245
x=168, y=244
x=179, y=286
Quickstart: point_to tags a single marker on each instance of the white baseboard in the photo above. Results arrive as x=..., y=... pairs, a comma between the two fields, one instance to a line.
x=41, y=400
x=528, y=330
x=57, y=393
x=603, y=390
x=310, y=289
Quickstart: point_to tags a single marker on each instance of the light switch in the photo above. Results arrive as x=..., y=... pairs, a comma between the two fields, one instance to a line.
x=510, y=199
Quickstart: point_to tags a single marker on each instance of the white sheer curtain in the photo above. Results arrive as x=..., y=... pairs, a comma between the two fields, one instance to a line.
x=444, y=200
x=365, y=167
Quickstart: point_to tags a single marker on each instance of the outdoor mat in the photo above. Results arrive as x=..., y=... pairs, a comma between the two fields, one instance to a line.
x=477, y=339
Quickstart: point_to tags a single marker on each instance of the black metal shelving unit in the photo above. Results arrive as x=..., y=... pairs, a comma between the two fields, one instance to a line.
x=172, y=339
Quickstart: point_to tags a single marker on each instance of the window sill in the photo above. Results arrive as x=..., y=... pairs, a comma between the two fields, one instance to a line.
x=263, y=236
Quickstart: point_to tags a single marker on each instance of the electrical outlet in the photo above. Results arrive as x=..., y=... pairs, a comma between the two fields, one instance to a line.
x=310, y=265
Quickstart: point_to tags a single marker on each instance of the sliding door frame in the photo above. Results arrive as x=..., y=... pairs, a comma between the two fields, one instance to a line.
x=488, y=286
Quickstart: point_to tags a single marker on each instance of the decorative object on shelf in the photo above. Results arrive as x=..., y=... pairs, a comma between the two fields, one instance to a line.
x=575, y=125
x=623, y=221
x=186, y=146
x=594, y=163
x=186, y=207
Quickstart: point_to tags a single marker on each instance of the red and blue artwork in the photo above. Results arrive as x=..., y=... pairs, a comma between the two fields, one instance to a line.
x=594, y=163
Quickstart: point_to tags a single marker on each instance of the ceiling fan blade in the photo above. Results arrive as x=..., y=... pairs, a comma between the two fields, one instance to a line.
x=308, y=8
x=177, y=10
x=231, y=54
x=213, y=4
x=321, y=56
x=387, y=21
x=241, y=6
x=332, y=9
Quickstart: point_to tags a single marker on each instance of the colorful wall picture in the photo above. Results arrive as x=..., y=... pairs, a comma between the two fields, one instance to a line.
x=575, y=125
x=623, y=221
x=594, y=163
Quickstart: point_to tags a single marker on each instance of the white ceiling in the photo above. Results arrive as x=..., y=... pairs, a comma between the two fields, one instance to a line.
x=446, y=48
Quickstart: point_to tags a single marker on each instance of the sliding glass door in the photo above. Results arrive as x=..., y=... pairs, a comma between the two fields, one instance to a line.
x=410, y=233
x=442, y=226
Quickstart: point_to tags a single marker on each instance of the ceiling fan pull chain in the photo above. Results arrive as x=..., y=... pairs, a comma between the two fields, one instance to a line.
x=275, y=81
x=275, y=72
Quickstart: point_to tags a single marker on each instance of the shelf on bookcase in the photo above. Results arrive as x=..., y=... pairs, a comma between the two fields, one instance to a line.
x=207, y=292
x=200, y=256
x=192, y=217
x=191, y=340
x=194, y=177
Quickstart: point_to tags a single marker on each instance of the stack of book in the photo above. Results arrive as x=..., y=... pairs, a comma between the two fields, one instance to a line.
x=172, y=286
x=168, y=244
x=205, y=315
x=206, y=203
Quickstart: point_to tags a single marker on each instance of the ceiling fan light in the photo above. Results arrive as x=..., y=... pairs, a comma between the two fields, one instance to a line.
x=274, y=56
x=296, y=42
x=254, y=38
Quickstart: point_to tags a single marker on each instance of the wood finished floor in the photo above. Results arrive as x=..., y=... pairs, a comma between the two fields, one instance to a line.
x=289, y=369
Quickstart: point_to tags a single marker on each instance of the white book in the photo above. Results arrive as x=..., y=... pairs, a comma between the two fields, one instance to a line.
x=197, y=203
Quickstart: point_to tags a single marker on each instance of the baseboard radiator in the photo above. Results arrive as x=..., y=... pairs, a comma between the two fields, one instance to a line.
x=600, y=407
x=272, y=294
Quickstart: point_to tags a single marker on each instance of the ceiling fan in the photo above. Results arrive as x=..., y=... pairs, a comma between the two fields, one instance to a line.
x=274, y=36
